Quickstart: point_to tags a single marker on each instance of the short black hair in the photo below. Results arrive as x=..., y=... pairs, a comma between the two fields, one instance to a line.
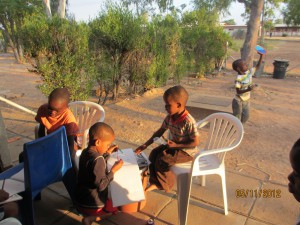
x=236, y=64
x=60, y=94
x=178, y=93
x=295, y=152
x=100, y=131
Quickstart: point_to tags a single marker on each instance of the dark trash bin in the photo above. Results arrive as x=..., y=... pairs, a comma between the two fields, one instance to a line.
x=260, y=70
x=280, y=68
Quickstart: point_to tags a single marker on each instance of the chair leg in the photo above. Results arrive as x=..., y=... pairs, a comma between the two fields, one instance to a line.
x=203, y=180
x=224, y=193
x=183, y=189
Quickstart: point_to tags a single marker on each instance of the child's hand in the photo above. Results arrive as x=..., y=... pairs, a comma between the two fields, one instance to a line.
x=140, y=149
x=3, y=195
x=112, y=149
x=118, y=164
x=260, y=53
x=171, y=144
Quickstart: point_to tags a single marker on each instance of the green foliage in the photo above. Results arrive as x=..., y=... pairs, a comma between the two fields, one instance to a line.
x=12, y=15
x=117, y=36
x=230, y=22
x=239, y=34
x=292, y=12
x=168, y=61
x=269, y=25
x=204, y=42
x=218, y=5
x=60, y=50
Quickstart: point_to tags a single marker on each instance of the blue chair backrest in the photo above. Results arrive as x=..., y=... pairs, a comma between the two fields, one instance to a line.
x=47, y=160
x=11, y=171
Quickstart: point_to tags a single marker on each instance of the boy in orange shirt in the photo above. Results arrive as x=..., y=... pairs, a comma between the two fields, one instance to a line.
x=55, y=114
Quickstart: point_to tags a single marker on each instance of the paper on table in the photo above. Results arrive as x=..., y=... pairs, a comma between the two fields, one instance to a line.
x=18, y=176
x=12, y=186
x=142, y=160
x=127, y=186
x=12, y=198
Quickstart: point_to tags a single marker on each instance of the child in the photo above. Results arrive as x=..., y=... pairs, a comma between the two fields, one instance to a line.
x=93, y=177
x=243, y=86
x=8, y=211
x=182, y=145
x=55, y=114
x=294, y=177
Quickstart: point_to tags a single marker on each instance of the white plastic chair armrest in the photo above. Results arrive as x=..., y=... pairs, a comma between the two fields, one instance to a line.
x=202, y=123
x=202, y=152
x=84, y=138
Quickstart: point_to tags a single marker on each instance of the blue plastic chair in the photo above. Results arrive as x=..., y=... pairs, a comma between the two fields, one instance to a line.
x=11, y=171
x=46, y=161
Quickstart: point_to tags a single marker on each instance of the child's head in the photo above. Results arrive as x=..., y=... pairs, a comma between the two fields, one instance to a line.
x=175, y=99
x=294, y=177
x=101, y=136
x=240, y=66
x=58, y=101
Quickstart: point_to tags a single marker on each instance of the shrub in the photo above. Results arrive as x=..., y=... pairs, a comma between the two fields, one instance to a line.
x=61, y=57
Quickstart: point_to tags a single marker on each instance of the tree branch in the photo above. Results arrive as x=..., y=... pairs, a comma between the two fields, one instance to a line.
x=245, y=2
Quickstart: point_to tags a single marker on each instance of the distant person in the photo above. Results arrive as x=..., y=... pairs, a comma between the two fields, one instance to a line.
x=179, y=148
x=270, y=34
x=55, y=114
x=243, y=87
x=8, y=211
x=294, y=177
x=93, y=177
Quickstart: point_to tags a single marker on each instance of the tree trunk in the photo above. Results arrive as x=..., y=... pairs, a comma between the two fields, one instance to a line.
x=11, y=43
x=247, y=52
x=4, y=151
x=61, y=10
x=19, y=41
x=48, y=8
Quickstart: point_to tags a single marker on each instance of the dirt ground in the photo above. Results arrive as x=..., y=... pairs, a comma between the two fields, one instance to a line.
x=271, y=131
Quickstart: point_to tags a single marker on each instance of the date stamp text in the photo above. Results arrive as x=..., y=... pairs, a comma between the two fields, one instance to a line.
x=258, y=193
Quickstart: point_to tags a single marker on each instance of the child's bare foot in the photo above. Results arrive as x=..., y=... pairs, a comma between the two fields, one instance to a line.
x=89, y=220
x=151, y=187
x=86, y=221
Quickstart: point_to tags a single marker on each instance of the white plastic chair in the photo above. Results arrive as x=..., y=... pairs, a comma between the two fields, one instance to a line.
x=86, y=114
x=225, y=133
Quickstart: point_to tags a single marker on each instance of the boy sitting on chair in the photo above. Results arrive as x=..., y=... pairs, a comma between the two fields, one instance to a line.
x=93, y=177
x=182, y=145
x=294, y=177
x=55, y=114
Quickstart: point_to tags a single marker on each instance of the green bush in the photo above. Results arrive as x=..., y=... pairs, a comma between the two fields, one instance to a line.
x=204, y=42
x=61, y=55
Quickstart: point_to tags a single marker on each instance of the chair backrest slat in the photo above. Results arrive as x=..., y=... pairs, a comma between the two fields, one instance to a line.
x=86, y=114
x=225, y=131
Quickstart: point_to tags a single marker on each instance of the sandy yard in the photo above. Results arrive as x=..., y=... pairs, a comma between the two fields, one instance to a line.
x=271, y=131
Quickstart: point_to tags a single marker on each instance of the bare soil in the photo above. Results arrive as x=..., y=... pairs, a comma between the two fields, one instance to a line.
x=269, y=135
